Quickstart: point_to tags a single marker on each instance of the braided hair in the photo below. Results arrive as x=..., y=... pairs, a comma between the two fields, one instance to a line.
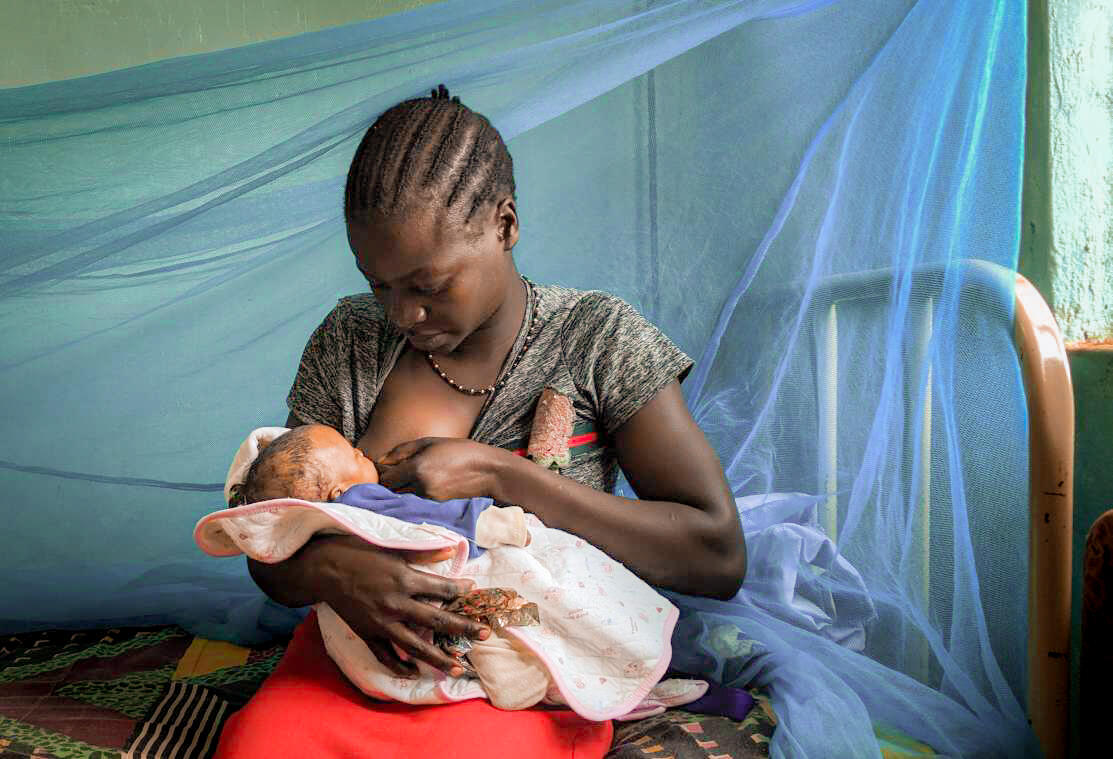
x=431, y=151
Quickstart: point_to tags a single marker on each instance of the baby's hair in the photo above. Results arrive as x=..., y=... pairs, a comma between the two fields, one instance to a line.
x=430, y=149
x=286, y=468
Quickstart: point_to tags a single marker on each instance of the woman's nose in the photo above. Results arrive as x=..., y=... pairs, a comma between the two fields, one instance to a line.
x=406, y=313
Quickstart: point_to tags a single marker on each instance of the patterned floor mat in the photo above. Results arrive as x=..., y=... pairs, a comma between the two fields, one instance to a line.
x=160, y=693
x=89, y=694
x=678, y=734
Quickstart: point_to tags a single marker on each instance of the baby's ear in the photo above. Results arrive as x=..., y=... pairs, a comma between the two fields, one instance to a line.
x=236, y=496
x=335, y=492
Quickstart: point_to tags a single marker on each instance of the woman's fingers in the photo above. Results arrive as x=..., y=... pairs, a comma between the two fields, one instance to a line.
x=398, y=477
x=403, y=451
x=418, y=583
x=386, y=656
x=424, y=585
x=427, y=615
x=385, y=599
x=441, y=468
x=413, y=644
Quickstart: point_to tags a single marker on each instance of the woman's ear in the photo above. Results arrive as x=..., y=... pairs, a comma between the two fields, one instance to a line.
x=506, y=223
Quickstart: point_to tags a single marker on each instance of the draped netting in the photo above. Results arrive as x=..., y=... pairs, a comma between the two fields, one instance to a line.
x=818, y=200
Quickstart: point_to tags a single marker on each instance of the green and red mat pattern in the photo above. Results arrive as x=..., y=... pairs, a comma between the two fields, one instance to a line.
x=99, y=693
x=160, y=692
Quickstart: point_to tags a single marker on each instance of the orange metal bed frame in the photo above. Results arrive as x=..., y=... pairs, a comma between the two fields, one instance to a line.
x=1051, y=445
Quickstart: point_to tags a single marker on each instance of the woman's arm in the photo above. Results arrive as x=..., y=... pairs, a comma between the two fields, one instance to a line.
x=684, y=534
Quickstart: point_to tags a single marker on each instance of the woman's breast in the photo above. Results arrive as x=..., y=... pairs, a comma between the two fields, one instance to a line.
x=416, y=404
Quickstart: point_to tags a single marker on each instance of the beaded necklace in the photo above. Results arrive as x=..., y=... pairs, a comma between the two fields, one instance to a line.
x=532, y=300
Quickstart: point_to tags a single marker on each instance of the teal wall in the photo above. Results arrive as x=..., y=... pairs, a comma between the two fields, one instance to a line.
x=1068, y=232
x=44, y=40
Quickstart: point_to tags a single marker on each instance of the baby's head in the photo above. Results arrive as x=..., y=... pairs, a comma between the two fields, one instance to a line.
x=312, y=462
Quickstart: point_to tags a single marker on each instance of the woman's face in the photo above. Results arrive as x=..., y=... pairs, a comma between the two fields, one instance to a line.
x=439, y=282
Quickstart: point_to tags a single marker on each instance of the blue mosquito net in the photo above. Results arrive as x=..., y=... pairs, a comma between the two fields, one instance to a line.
x=819, y=201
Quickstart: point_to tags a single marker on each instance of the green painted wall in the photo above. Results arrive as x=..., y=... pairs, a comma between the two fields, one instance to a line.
x=1068, y=207
x=44, y=40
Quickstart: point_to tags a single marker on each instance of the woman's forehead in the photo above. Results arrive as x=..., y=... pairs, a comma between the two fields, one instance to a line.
x=394, y=249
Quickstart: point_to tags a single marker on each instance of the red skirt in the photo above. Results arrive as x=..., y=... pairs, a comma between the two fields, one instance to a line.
x=307, y=708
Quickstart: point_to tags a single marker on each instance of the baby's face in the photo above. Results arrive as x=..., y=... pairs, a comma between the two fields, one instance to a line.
x=346, y=465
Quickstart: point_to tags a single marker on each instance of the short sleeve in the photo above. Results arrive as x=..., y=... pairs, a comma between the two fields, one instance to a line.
x=315, y=394
x=617, y=358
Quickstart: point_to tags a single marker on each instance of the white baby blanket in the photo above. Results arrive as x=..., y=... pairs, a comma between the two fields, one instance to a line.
x=604, y=634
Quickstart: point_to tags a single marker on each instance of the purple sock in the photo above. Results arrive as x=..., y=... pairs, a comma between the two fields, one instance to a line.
x=727, y=702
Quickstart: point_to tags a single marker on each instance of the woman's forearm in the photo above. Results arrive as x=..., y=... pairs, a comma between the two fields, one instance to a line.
x=300, y=580
x=672, y=545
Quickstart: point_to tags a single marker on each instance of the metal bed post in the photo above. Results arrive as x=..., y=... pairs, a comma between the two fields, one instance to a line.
x=1051, y=459
x=829, y=418
x=921, y=650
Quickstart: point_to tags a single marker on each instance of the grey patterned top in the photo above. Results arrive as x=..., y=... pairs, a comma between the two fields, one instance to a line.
x=590, y=346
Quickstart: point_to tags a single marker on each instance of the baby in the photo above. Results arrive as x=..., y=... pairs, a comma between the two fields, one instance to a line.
x=313, y=462
x=584, y=631
x=316, y=463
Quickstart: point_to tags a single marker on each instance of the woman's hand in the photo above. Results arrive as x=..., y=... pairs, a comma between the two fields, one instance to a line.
x=383, y=600
x=441, y=468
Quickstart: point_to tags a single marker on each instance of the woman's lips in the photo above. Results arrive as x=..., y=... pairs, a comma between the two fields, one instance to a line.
x=426, y=341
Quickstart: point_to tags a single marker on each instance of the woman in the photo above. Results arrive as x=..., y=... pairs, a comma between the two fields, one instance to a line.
x=436, y=376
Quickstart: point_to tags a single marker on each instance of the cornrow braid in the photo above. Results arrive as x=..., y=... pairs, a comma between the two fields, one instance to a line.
x=432, y=151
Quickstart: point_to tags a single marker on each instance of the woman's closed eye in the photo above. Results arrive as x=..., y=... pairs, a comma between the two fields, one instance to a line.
x=432, y=287
x=375, y=284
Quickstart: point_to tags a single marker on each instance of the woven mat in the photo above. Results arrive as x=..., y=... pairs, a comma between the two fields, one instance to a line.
x=139, y=691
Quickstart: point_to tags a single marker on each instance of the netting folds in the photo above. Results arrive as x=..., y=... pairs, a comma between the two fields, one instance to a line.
x=819, y=200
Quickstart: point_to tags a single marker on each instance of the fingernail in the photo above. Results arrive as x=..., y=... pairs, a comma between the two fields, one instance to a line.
x=456, y=671
x=484, y=634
